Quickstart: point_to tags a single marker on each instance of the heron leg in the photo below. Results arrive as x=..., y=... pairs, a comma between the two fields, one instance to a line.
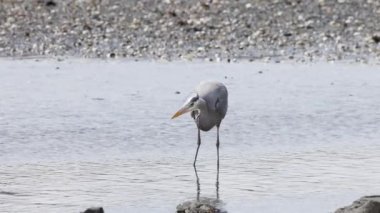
x=198, y=183
x=217, y=146
x=199, y=144
x=217, y=173
x=217, y=185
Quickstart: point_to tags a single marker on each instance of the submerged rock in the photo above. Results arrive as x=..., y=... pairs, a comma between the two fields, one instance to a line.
x=94, y=210
x=205, y=205
x=367, y=204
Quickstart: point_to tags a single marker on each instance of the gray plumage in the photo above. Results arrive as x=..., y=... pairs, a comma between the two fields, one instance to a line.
x=208, y=106
x=214, y=107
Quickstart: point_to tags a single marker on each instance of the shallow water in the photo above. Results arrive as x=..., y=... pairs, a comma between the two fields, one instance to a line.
x=76, y=134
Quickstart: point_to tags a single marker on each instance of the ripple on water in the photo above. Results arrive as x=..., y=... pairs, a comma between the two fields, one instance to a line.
x=102, y=135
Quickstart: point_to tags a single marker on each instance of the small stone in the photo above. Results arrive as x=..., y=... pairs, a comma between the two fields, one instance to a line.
x=177, y=92
x=376, y=38
x=50, y=3
x=112, y=55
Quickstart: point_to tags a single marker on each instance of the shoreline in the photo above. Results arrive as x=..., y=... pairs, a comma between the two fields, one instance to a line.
x=206, y=61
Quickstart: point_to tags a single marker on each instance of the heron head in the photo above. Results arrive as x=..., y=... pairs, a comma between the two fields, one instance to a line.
x=191, y=104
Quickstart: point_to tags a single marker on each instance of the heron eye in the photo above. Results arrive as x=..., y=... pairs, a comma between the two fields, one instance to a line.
x=192, y=104
x=194, y=99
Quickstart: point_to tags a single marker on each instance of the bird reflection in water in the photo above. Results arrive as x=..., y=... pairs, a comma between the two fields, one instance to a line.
x=199, y=185
x=203, y=204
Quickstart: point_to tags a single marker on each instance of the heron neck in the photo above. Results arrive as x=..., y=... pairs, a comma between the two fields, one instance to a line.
x=203, y=120
x=200, y=109
x=202, y=106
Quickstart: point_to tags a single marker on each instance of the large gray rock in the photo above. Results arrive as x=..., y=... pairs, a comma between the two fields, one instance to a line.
x=367, y=204
x=204, y=205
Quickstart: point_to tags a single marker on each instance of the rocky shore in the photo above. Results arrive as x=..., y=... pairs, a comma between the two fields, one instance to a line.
x=192, y=29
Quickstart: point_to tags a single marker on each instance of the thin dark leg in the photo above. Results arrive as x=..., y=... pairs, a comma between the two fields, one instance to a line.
x=217, y=146
x=217, y=173
x=198, y=183
x=217, y=185
x=199, y=144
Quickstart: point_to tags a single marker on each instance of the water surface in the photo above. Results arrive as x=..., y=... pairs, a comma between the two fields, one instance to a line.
x=76, y=134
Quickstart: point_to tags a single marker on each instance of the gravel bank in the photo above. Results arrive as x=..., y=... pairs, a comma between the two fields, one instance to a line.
x=192, y=29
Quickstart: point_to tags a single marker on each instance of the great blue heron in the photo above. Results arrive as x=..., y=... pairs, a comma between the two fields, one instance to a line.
x=208, y=106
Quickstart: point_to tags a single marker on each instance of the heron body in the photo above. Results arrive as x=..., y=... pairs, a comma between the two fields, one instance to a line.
x=213, y=104
x=208, y=105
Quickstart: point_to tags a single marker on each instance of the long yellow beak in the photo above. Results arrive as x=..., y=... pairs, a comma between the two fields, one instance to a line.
x=181, y=112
